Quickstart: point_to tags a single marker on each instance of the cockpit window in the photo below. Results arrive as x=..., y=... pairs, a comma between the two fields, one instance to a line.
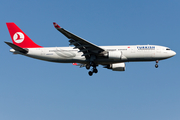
x=168, y=49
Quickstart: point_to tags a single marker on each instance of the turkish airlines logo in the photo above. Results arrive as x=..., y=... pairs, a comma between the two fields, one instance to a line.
x=18, y=37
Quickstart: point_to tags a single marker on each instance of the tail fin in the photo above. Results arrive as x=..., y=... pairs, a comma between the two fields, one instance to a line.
x=19, y=38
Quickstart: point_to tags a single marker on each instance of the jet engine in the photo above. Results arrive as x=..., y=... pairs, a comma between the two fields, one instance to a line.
x=114, y=55
x=116, y=66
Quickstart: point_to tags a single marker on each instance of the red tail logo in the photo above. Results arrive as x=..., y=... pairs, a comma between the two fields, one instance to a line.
x=19, y=38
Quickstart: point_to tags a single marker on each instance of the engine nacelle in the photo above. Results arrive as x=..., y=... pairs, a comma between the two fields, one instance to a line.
x=117, y=67
x=114, y=55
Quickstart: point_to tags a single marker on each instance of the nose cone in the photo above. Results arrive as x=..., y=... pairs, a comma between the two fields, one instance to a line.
x=173, y=53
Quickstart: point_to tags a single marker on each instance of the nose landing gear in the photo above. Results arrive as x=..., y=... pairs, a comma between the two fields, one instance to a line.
x=156, y=65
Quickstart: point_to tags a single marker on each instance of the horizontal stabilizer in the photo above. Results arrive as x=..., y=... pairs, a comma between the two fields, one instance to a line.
x=17, y=48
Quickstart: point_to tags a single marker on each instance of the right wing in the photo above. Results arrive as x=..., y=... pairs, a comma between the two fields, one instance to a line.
x=84, y=46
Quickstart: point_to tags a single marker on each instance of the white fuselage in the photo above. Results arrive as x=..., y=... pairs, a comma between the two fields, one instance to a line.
x=127, y=54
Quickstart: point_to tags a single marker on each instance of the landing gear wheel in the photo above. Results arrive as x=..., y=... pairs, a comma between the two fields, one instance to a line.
x=88, y=66
x=90, y=73
x=156, y=65
x=95, y=70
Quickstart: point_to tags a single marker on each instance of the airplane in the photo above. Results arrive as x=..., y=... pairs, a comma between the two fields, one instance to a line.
x=84, y=53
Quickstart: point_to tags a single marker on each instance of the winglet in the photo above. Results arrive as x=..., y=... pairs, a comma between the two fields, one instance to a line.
x=56, y=25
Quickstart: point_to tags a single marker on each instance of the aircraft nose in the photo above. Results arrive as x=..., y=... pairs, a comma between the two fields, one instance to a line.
x=173, y=53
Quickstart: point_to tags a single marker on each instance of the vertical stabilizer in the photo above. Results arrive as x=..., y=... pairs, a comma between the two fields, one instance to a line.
x=19, y=38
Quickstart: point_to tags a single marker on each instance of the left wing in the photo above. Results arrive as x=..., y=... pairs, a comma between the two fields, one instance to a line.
x=84, y=46
x=79, y=64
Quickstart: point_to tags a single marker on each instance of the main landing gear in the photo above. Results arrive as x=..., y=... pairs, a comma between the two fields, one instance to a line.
x=94, y=69
x=156, y=65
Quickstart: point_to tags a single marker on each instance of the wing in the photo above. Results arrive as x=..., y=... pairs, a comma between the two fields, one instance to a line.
x=84, y=46
x=79, y=64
